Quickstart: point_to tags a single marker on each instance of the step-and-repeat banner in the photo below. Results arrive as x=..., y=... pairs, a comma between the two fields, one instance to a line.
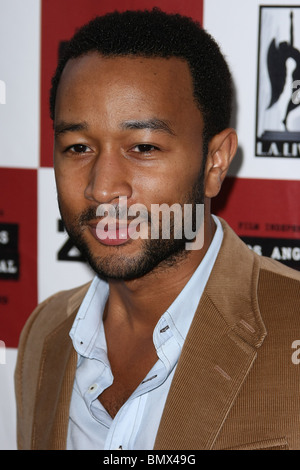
x=260, y=198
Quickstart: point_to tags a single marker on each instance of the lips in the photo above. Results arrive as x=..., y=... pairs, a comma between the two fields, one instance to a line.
x=110, y=234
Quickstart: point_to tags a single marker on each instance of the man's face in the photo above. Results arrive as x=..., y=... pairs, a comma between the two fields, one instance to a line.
x=126, y=127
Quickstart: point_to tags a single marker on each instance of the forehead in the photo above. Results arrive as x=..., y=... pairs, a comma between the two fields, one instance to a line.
x=133, y=84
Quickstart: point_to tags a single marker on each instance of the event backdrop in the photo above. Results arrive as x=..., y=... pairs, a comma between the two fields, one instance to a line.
x=260, y=198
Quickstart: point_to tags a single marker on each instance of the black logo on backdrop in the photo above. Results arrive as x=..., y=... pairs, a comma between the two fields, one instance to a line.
x=9, y=251
x=68, y=252
x=278, y=110
x=285, y=250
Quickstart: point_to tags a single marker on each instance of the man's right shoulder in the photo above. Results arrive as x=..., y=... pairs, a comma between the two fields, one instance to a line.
x=50, y=313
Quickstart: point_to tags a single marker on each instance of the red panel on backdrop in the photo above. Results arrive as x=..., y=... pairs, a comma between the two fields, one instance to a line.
x=60, y=19
x=18, y=250
x=266, y=207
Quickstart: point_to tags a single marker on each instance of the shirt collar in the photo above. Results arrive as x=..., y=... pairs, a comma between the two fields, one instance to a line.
x=88, y=323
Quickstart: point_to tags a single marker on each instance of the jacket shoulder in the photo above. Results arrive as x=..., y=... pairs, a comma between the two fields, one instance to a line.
x=275, y=267
x=278, y=293
x=52, y=311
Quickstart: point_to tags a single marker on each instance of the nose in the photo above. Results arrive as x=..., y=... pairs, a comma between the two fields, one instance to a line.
x=109, y=179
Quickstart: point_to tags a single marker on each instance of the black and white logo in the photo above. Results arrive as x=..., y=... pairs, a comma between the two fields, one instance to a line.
x=9, y=252
x=278, y=83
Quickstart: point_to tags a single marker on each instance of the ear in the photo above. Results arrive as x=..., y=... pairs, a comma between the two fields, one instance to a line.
x=221, y=150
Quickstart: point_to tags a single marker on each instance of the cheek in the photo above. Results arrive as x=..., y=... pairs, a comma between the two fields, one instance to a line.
x=70, y=184
x=169, y=187
x=70, y=198
x=150, y=187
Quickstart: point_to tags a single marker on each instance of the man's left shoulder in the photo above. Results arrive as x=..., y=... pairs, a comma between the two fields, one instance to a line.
x=278, y=292
x=275, y=268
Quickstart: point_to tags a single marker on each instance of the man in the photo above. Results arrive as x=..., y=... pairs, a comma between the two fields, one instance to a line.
x=172, y=346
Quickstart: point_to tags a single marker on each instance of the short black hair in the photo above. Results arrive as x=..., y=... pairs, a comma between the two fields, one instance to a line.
x=155, y=33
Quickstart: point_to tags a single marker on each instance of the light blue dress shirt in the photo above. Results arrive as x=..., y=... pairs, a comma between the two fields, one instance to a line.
x=135, y=425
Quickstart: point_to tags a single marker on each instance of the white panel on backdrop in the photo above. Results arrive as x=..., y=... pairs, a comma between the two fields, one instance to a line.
x=19, y=76
x=55, y=274
x=7, y=401
x=235, y=25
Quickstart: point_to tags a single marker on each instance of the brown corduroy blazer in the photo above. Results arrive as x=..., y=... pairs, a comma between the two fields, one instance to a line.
x=235, y=386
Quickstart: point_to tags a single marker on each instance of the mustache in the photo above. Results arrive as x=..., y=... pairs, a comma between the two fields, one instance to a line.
x=112, y=211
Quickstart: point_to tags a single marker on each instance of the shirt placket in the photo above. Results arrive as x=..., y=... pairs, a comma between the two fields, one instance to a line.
x=127, y=421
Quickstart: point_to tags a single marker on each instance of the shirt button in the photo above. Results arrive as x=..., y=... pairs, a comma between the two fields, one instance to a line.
x=164, y=329
x=93, y=388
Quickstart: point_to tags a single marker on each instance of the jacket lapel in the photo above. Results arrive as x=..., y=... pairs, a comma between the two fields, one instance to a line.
x=219, y=351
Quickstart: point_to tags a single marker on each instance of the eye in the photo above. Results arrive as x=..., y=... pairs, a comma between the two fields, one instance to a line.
x=78, y=149
x=146, y=149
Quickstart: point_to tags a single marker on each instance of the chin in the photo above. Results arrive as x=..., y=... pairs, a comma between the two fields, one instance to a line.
x=151, y=255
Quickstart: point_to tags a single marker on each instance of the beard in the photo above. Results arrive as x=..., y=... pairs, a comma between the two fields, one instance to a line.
x=153, y=255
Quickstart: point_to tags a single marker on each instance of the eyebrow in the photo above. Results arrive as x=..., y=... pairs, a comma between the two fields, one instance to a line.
x=153, y=124
x=63, y=126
